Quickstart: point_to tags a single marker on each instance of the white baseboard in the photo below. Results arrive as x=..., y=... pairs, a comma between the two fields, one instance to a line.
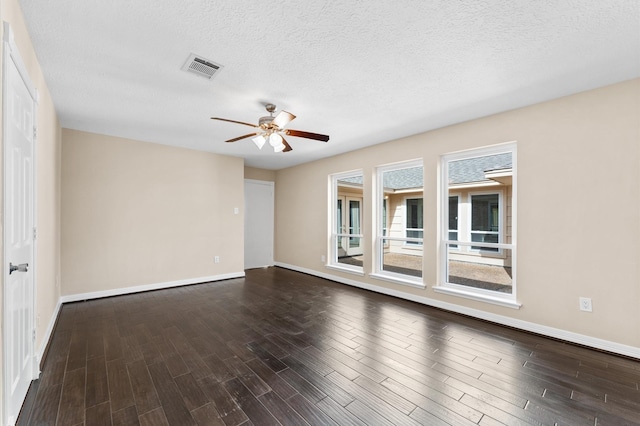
x=47, y=337
x=148, y=287
x=569, y=336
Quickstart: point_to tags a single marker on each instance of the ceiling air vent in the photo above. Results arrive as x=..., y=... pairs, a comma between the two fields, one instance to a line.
x=202, y=67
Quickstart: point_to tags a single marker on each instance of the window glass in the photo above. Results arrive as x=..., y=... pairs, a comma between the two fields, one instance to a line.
x=354, y=222
x=478, y=198
x=453, y=220
x=485, y=220
x=400, y=226
x=384, y=216
x=484, y=212
x=339, y=221
x=346, y=238
x=414, y=220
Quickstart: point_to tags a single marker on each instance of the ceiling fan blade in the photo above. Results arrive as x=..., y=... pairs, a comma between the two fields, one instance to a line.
x=242, y=137
x=234, y=121
x=308, y=135
x=283, y=118
x=287, y=147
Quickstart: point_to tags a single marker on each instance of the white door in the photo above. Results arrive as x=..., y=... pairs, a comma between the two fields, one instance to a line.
x=18, y=120
x=258, y=223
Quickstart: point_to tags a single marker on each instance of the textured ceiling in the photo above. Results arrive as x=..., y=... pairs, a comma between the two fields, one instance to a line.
x=363, y=72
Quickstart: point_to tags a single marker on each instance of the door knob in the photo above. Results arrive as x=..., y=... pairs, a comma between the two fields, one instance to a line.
x=23, y=267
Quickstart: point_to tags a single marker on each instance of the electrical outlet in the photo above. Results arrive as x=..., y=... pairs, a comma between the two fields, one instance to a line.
x=216, y=259
x=585, y=304
x=323, y=258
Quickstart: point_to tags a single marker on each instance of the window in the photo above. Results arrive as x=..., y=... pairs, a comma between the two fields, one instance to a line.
x=346, y=251
x=453, y=220
x=354, y=219
x=478, y=224
x=399, y=223
x=414, y=220
x=485, y=220
x=384, y=216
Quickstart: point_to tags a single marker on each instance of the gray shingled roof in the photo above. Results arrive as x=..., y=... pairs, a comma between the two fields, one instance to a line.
x=460, y=171
x=404, y=178
x=473, y=169
x=356, y=180
x=395, y=179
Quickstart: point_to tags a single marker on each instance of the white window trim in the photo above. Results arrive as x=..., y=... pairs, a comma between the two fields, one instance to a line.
x=380, y=273
x=332, y=254
x=478, y=295
x=350, y=269
x=398, y=279
x=493, y=297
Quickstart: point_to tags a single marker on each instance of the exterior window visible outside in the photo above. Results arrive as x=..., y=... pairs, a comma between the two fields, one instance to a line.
x=478, y=225
x=385, y=231
x=346, y=229
x=414, y=227
x=354, y=223
x=399, y=227
x=338, y=219
x=453, y=220
x=384, y=216
x=485, y=220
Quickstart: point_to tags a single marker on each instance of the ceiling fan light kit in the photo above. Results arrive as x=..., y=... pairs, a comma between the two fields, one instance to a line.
x=272, y=129
x=259, y=141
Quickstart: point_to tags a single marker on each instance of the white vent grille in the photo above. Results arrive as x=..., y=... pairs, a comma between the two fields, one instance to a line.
x=202, y=67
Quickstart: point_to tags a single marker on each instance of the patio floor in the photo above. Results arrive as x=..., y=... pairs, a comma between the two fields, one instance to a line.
x=488, y=277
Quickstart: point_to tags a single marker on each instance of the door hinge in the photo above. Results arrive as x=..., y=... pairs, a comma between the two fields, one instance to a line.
x=34, y=233
x=35, y=132
x=34, y=334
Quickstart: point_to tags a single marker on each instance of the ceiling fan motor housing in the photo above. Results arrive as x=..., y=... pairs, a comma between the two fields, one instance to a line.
x=265, y=121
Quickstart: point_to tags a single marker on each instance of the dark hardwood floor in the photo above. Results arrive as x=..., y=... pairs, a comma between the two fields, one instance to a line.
x=280, y=347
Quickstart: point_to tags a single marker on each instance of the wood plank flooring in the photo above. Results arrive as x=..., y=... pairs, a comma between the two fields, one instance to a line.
x=283, y=348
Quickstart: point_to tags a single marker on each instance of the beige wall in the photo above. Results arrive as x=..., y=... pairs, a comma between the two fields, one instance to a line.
x=47, y=184
x=137, y=213
x=578, y=209
x=259, y=174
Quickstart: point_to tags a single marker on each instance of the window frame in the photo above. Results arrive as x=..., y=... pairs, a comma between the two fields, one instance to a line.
x=381, y=240
x=443, y=286
x=334, y=235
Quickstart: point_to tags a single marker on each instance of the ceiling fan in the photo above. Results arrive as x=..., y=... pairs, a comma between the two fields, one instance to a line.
x=272, y=129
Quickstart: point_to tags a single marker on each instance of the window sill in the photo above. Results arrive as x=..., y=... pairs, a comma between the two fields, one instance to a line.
x=398, y=280
x=500, y=301
x=350, y=270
